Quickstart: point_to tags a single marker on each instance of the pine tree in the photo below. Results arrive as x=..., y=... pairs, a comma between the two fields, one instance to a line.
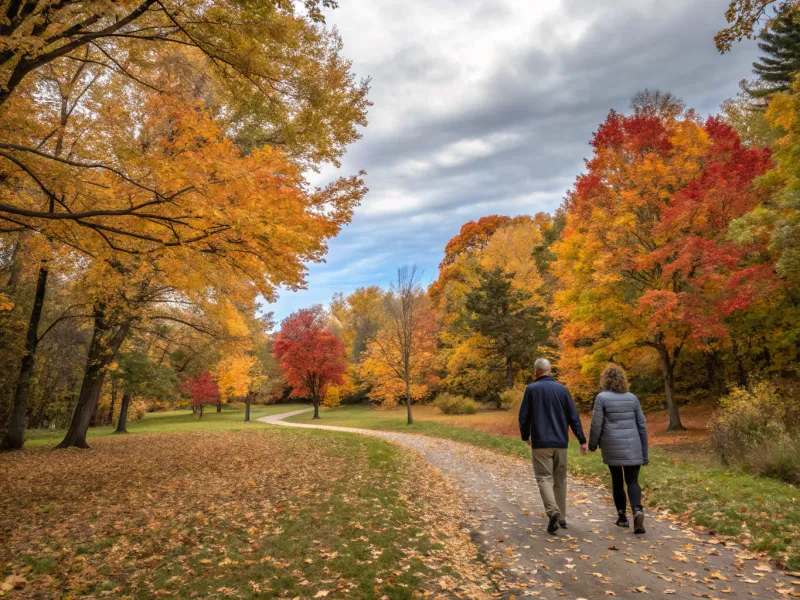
x=781, y=63
x=500, y=314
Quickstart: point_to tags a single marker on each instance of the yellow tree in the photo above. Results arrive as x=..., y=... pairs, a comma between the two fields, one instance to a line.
x=256, y=221
x=400, y=358
x=356, y=319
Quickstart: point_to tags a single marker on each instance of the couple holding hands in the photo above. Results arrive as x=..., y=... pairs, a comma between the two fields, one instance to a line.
x=618, y=429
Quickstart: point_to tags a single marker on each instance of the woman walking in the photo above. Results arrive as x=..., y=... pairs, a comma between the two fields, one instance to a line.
x=620, y=431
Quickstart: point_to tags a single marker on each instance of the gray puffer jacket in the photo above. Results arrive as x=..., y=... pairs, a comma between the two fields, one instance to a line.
x=619, y=429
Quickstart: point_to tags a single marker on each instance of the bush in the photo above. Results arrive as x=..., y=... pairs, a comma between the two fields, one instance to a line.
x=760, y=428
x=509, y=398
x=451, y=404
x=137, y=410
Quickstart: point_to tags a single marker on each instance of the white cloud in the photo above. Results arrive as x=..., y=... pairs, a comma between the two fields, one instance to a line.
x=487, y=107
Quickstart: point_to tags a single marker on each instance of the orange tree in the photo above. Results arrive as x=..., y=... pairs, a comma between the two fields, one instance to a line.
x=645, y=263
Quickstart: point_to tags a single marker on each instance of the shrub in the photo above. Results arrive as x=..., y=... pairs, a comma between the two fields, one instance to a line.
x=137, y=410
x=451, y=404
x=509, y=398
x=761, y=428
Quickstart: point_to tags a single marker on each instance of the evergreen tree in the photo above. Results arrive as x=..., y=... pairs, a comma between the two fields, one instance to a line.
x=781, y=63
x=500, y=313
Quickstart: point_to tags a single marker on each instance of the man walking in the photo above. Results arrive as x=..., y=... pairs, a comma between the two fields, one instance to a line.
x=547, y=409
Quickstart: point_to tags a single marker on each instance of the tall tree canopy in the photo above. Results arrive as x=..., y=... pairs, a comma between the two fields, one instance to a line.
x=645, y=261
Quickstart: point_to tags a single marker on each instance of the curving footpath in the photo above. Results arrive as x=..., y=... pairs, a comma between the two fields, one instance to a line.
x=593, y=558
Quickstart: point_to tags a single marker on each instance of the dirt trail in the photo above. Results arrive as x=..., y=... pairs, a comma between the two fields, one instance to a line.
x=593, y=558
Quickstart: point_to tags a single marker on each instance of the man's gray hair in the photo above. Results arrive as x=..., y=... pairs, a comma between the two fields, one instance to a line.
x=542, y=365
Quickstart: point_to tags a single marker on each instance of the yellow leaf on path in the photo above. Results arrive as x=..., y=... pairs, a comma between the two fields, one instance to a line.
x=321, y=594
x=763, y=567
x=642, y=589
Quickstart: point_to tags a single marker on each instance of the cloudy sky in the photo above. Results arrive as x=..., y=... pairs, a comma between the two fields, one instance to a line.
x=487, y=107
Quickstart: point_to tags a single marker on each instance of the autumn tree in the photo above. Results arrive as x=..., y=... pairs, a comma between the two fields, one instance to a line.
x=747, y=16
x=357, y=319
x=203, y=391
x=519, y=250
x=310, y=356
x=645, y=262
x=278, y=82
x=234, y=256
x=408, y=331
x=766, y=334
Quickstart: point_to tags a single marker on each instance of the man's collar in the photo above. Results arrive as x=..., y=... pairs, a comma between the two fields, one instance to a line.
x=545, y=377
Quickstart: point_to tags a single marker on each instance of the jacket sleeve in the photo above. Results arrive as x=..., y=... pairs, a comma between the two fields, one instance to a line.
x=596, y=431
x=574, y=419
x=641, y=424
x=525, y=415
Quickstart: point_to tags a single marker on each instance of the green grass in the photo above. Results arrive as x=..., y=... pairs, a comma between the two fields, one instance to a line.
x=727, y=501
x=174, y=420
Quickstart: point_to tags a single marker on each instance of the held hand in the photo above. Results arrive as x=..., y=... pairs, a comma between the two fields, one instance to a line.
x=645, y=463
x=528, y=441
x=584, y=449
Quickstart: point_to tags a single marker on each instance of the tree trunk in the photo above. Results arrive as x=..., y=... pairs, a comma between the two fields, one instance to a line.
x=509, y=373
x=247, y=407
x=95, y=420
x=113, y=401
x=99, y=357
x=200, y=412
x=408, y=402
x=219, y=405
x=16, y=426
x=316, y=406
x=122, y=422
x=668, y=370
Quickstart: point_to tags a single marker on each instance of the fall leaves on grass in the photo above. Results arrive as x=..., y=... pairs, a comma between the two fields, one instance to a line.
x=230, y=514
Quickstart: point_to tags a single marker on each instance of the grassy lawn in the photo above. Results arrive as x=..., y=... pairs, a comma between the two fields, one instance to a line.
x=763, y=512
x=231, y=418
x=262, y=513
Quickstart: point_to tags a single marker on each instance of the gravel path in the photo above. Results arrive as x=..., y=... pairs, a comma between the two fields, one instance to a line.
x=593, y=558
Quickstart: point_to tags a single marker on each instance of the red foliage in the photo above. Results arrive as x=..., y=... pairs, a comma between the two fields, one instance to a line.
x=202, y=388
x=310, y=356
x=660, y=196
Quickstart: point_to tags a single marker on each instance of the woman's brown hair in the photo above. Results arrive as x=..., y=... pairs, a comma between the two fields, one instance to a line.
x=614, y=379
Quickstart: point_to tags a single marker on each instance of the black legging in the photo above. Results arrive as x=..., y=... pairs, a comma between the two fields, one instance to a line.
x=626, y=476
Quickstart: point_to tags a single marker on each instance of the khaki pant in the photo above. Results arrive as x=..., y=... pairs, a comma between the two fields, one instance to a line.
x=550, y=468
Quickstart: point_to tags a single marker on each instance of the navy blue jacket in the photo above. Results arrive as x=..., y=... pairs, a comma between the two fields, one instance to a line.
x=547, y=409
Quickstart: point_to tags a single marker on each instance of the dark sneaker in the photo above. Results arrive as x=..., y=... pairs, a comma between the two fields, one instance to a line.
x=622, y=521
x=563, y=524
x=638, y=522
x=552, y=526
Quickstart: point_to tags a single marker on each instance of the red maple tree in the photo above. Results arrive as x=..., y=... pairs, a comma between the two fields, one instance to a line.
x=310, y=356
x=645, y=260
x=203, y=390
